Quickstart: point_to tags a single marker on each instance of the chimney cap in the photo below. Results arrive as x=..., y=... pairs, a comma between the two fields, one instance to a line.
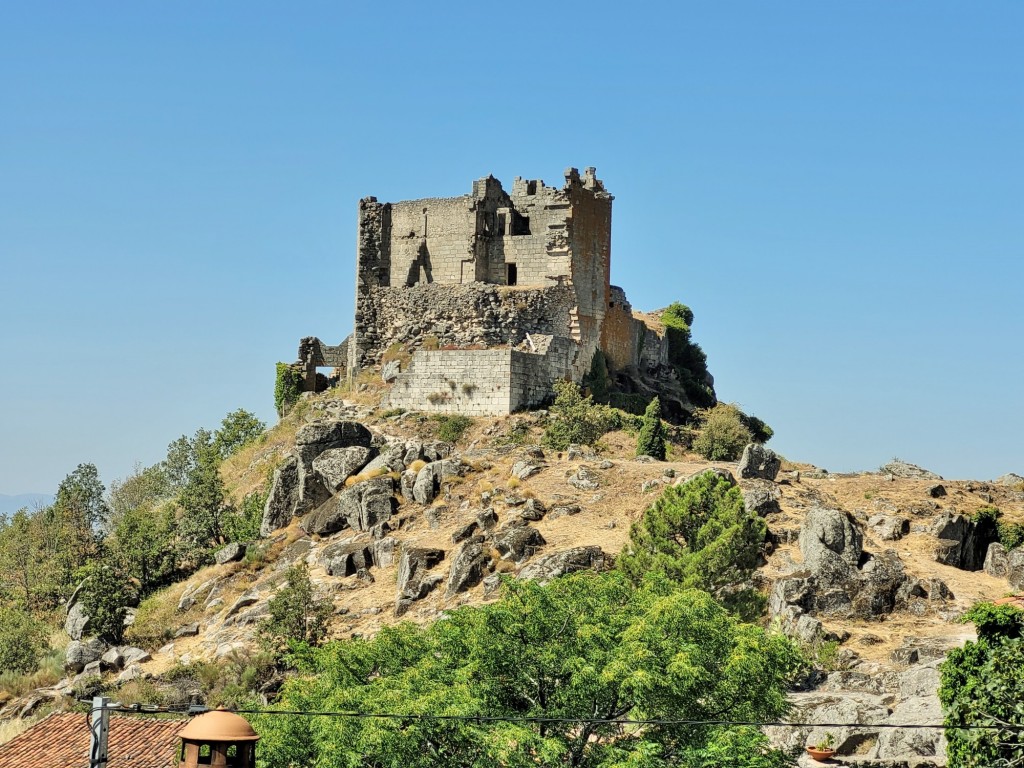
x=219, y=725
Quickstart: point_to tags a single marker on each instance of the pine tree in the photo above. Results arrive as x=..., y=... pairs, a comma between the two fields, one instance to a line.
x=651, y=441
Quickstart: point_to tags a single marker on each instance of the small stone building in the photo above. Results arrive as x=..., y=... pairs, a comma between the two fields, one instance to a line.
x=497, y=294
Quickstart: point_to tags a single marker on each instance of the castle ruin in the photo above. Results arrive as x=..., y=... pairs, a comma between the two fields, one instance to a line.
x=495, y=294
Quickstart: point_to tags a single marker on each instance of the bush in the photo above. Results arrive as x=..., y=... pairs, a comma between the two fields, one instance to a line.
x=700, y=535
x=688, y=359
x=451, y=428
x=22, y=641
x=577, y=419
x=1011, y=535
x=981, y=684
x=244, y=525
x=651, y=441
x=287, y=387
x=723, y=433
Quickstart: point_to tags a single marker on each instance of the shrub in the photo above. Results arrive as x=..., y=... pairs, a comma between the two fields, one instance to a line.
x=981, y=684
x=22, y=640
x=576, y=419
x=651, y=441
x=1011, y=535
x=287, y=387
x=244, y=525
x=723, y=433
x=451, y=428
x=688, y=359
x=760, y=431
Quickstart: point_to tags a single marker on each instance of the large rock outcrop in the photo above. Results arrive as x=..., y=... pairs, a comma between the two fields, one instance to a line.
x=361, y=507
x=963, y=543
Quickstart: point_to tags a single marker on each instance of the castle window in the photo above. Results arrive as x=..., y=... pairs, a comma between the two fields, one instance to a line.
x=520, y=224
x=512, y=273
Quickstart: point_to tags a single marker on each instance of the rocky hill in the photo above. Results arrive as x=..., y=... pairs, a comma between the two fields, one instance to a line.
x=869, y=571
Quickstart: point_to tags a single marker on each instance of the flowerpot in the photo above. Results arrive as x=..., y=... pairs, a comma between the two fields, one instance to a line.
x=820, y=754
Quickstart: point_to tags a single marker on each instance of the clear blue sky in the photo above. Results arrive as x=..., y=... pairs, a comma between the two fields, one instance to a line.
x=836, y=189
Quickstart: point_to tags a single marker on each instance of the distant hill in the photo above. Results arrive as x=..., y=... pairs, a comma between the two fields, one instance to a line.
x=9, y=504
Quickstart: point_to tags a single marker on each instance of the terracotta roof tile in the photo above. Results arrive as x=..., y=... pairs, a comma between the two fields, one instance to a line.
x=62, y=741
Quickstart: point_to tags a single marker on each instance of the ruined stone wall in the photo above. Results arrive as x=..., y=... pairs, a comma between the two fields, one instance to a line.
x=472, y=382
x=483, y=382
x=459, y=315
x=622, y=334
x=534, y=373
x=433, y=241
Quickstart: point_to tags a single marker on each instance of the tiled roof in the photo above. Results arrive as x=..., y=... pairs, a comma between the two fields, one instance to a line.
x=62, y=741
x=1017, y=601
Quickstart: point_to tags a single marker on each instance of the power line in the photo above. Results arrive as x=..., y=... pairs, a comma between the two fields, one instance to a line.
x=197, y=709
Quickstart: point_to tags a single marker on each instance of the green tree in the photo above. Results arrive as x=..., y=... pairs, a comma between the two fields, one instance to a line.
x=22, y=640
x=107, y=594
x=143, y=488
x=651, y=440
x=71, y=530
x=700, y=536
x=183, y=457
x=237, y=430
x=723, y=433
x=982, y=684
x=296, y=613
x=25, y=578
x=144, y=539
x=584, y=651
x=204, y=506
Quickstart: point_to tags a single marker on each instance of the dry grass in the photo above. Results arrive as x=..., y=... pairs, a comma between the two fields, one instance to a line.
x=11, y=728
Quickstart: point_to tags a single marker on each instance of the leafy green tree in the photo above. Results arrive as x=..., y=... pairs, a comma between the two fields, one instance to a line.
x=204, y=507
x=145, y=541
x=107, y=594
x=296, y=613
x=143, y=488
x=723, y=433
x=651, y=440
x=183, y=458
x=237, y=430
x=71, y=530
x=982, y=684
x=585, y=651
x=22, y=640
x=577, y=419
x=700, y=536
x=24, y=576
